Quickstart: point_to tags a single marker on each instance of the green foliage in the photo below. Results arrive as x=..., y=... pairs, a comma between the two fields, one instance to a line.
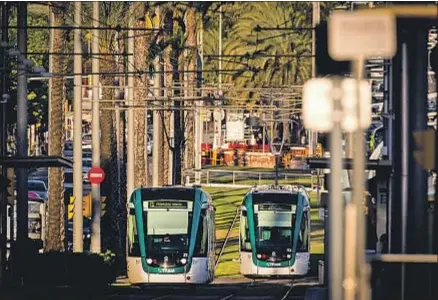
x=254, y=56
x=38, y=42
x=109, y=257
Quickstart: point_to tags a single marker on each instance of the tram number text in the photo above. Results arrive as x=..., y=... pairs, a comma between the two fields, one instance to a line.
x=273, y=264
x=167, y=270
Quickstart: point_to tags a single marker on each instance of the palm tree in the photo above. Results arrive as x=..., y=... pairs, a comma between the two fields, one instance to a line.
x=168, y=84
x=55, y=220
x=141, y=82
x=191, y=28
x=278, y=58
x=112, y=14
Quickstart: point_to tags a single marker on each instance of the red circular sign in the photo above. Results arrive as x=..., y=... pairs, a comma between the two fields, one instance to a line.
x=96, y=175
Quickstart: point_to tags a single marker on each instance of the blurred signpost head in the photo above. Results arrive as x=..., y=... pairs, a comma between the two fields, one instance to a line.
x=362, y=34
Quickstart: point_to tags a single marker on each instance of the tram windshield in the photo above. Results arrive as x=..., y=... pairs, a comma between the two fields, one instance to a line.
x=167, y=231
x=274, y=224
x=274, y=229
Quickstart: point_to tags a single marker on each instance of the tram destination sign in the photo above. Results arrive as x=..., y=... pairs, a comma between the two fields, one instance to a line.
x=167, y=204
x=276, y=207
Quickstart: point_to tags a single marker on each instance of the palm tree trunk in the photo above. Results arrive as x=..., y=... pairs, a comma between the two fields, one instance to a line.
x=190, y=20
x=168, y=82
x=140, y=94
x=56, y=210
x=178, y=77
x=109, y=188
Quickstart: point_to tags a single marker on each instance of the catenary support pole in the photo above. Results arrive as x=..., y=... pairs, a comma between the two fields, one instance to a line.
x=313, y=135
x=95, y=134
x=217, y=122
x=119, y=165
x=77, y=136
x=157, y=128
x=22, y=205
x=130, y=125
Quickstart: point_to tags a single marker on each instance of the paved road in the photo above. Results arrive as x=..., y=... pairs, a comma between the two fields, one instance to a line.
x=265, y=290
x=220, y=289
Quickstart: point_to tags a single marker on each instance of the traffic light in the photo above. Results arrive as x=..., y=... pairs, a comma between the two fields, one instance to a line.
x=86, y=206
x=103, y=205
x=71, y=207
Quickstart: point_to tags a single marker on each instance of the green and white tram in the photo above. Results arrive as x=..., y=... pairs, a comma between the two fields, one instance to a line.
x=275, y=232
x=171, y=236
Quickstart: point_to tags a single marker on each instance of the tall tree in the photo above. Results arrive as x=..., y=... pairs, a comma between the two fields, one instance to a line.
x=112, y=14
x=191, y=47
x=55, y=219
x=168, y=84
x=141, y=83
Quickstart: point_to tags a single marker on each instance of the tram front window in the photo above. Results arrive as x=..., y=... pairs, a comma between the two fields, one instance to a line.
x=167, y=239
x=274, y=235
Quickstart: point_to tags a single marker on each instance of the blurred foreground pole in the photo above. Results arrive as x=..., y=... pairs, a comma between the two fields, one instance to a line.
x=336, y=205
x=77, y=135
x=95, y=134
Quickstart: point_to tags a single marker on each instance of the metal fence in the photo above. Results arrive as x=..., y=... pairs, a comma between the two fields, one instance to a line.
x=248, y=178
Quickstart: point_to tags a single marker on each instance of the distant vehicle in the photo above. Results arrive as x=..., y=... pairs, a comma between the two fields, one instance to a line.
x=39, y=187
x=86, y=139
x=275, y=232
x=150, y=143
x=68, y=146
x=171, y=236
x=33, y=196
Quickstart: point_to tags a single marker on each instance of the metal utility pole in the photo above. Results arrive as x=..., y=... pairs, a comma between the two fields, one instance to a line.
x=313, y=136
x=77, y=136
x=130, y=129
x=217, y=123
x=157, y=129
x=198, y=110
x=95, y=134
x=22, y=213
x=119, y=165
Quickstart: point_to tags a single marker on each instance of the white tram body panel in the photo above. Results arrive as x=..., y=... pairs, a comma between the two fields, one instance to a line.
x=198, y=273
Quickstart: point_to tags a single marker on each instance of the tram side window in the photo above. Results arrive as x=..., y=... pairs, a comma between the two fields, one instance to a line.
x=303, y=234
x=202, y=236
x=245, y=244
x=134, y=247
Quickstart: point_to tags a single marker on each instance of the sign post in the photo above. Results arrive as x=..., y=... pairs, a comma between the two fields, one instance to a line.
x=357, y=36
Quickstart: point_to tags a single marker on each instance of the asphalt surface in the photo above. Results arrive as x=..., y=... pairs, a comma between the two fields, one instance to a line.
x=228, y=289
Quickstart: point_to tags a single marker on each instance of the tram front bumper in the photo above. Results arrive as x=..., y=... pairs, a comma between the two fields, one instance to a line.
x=299, y=268
x=198, y=273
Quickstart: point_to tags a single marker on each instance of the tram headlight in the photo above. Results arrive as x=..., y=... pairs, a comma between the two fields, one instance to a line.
x=149, y=261
x=288, y=256
x=259, y=256
x=183, y=261
x=289, y=250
